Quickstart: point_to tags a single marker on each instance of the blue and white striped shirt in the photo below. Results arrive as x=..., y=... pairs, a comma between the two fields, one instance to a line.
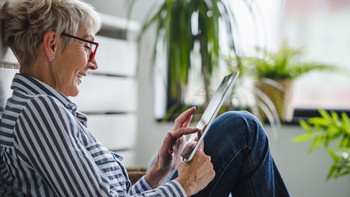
x=47, y=150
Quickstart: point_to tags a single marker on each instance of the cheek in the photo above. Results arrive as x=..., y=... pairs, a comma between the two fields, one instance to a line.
x=79, y=62
x=69, y=74
x=83, y=54
x=78, y=56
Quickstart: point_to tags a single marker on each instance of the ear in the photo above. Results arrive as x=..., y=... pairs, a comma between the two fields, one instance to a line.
x=50, y=44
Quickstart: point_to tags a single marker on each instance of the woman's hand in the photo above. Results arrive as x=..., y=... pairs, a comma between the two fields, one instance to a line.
x=170, y=151
x=196, y=174
x=173, y=146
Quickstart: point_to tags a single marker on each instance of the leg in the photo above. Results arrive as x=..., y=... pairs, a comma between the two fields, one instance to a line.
x=239, y=149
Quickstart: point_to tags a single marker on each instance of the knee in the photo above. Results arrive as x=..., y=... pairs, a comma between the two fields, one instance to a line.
x=238, y=119
x=238, y=124
x=239, y=115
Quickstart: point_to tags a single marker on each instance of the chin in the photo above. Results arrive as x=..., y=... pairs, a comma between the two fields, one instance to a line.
x=74, y=94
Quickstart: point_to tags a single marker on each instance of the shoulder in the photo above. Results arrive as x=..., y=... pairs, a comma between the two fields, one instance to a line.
x=39, y=105
x=24, y=107
x=41, y=111
x=44, y=120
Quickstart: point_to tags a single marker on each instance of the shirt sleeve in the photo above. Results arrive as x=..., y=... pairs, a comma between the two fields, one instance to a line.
x=172, y=188
x=47, y=139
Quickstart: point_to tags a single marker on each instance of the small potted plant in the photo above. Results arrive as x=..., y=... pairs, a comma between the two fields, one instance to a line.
x=333, y=133
x=275, y=73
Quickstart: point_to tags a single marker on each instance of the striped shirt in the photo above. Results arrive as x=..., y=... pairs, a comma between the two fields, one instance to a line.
x=47, y=150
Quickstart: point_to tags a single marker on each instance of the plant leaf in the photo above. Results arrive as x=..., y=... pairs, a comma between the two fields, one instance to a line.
x=346, y=123
x=331, y=172
x=302, y=138
x=325, y=115
x=318, y=121
x=332, y=154
x=306, y=126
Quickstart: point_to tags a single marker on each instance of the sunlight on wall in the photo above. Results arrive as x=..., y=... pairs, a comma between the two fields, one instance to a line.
x=322, y=29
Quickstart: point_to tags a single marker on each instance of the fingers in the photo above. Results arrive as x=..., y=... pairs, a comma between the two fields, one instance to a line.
x=188, y=149
x=184, y=118
x=171, y=140
x=200, y=133
x=183, y=131
x=187, y=122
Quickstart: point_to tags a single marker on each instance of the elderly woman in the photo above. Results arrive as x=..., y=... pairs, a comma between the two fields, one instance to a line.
x=47, y=150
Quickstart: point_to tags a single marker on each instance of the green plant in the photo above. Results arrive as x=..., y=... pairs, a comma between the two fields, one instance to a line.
x=184, y=24
x=283, y=64
x=274, y=74
x=333, y=134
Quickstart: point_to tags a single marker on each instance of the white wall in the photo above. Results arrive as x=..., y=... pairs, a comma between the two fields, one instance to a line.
x=304, y=174
x=149, y=135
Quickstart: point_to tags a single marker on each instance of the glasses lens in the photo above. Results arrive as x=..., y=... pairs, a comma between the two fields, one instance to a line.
x=93, y=48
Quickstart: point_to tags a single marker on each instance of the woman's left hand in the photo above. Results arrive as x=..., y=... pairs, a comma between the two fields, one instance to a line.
x=172, y=147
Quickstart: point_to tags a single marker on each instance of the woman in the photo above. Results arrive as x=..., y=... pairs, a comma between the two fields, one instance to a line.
x=47, y=150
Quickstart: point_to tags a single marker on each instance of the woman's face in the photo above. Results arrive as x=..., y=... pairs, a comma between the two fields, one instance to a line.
x=72, y=63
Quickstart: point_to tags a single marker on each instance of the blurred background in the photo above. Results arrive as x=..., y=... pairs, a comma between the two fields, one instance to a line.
x=134, y=83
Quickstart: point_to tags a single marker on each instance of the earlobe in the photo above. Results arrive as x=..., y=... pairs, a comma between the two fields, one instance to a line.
x=50, y=44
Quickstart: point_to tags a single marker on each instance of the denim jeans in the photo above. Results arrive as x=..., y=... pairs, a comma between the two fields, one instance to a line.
x=240, y=153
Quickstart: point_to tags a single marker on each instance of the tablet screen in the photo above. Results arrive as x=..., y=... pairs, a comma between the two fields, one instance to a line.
x=212, y=109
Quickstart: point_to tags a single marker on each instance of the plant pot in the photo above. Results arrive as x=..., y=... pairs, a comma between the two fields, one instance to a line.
x=280, y=92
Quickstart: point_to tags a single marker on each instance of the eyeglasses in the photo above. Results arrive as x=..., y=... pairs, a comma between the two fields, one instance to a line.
x=92, y=47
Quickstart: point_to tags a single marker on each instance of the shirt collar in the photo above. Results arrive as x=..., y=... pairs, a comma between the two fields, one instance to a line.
x=32, y=86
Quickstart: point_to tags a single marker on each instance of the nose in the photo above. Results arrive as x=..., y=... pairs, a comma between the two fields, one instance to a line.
x=93, y=65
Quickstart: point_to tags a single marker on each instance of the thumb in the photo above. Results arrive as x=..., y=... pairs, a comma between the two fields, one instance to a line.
x=200, y=133
x=201, y=146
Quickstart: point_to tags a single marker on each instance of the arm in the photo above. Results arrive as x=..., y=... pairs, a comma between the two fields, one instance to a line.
x=53, y=144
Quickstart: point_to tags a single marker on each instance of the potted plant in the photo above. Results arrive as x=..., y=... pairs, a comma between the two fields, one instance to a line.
x=182, y=25
x=332, y=133
x=275, y=73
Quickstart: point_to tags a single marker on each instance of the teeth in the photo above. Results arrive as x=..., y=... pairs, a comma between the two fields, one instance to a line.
x=80, y=75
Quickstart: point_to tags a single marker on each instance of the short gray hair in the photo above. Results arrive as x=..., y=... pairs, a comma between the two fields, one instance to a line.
x=25, y=23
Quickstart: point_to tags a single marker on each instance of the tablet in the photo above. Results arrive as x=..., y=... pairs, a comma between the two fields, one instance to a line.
x=212, y=110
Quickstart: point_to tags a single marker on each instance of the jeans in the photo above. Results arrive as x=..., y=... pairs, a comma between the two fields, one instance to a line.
x=239, y=150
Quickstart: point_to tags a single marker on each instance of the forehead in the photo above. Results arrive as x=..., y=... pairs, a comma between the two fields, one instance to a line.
x=86, y=32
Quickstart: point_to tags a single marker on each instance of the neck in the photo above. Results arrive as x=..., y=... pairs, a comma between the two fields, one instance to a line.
x=41, y=69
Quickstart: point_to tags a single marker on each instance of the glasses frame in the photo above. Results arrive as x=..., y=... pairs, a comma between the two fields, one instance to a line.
x=92, y=55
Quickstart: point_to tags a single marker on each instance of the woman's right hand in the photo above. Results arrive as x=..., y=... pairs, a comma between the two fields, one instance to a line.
x=196, y=174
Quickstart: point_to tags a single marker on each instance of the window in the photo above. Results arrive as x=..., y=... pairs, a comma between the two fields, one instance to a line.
x=321, y=27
